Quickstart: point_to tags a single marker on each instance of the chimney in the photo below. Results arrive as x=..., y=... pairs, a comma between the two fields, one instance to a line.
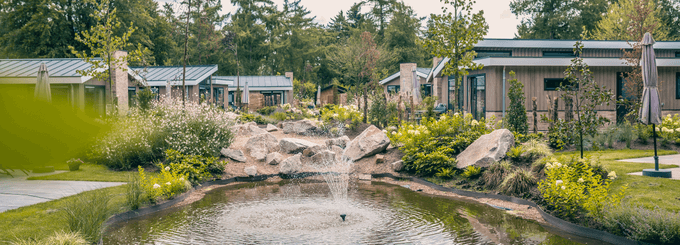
x=406, y=77
x=120, y=82
x=436, y=60
x=288, y=95
x=289, y=74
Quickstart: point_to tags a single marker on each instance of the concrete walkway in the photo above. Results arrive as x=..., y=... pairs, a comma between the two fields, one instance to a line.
x=18, y=192
x=667, y=159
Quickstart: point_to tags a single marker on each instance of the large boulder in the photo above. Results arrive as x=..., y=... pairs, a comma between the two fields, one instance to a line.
x=236, y=155
x=323, y=158
x=487, y=149
x=293, y=145
x=302, y=127
x=262, y=144
x=248, y=129
x=251, y=171
x=368, y=143
x=313, y=150
x=274, y=158
x=291, y=165
x=398, y=166
x=340, y=141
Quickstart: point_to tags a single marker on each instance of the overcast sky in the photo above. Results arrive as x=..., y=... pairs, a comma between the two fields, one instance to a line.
x=502, y=23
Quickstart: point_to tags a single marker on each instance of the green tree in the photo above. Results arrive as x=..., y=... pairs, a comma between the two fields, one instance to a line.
x=454, y=34
x=401, y=36
x=630, y=20
x=102, y=43
x=557, y=19
x=585, y=95
x=381, y=11
x=516, y=119
x=304, y=90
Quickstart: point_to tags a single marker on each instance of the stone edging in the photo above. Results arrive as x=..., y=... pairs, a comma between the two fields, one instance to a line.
x=561, y=224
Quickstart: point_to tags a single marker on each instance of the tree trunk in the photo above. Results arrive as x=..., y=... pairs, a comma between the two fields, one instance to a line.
x=568, y=109
x=535, y=109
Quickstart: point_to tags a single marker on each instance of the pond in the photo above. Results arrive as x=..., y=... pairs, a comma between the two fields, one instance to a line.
x=303, y=212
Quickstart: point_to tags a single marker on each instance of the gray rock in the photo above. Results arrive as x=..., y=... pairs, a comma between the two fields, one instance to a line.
x=271, y=128
x=236, y=155
x=487, y=149
x=338, y=152
x=323, y=158
x=248, y=129
x=291, y=165
x=251, y=171
x=302, y=127
x=274, y=158
x=279, y=125
x=341, y=142
x=368, y=143
x=379, y=158
x=262, y=144
x=313, y=150
x=293, y=145
x=365, y=177
x=398, y=166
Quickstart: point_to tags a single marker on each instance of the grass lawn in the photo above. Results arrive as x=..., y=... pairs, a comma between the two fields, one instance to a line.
x=642, y=190
x=43, y=219
x=89, y=172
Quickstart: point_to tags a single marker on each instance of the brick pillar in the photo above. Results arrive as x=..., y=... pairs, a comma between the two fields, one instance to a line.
x=289, y=94
x=406, y=77
x=120, y=83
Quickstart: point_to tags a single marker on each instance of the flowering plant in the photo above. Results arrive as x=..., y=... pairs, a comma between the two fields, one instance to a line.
x=348, y=115
x=669, y=130
x=167, y=184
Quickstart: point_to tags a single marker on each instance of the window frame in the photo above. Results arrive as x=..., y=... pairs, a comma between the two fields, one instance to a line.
x=545, y=83
x=559, y=54
x=677, y=83
x=508, y=52
x=396, y=89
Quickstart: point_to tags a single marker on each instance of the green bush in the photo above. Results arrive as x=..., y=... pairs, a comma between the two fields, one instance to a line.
x=515, y=153
x=267, y=110
x=86, y=213
x=166, y=185
x=195, y=168
x=380, y=111
x=643, y=132
x=516, y=119
x=495, y=174
x=59, y=238
x=574, y=187
x=348, y=115
x=518, y=183
x=433, y=144
x=446, y=173
x=555, y=140
x=471, y=172
x=656, y=226
x=626, y=133
x=536, y=148
x=144, y=98
x=246, y=117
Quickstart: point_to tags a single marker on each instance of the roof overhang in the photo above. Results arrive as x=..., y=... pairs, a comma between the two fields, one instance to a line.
x=233, y=88
x=33, y=80
x=539, y=61
x=437, y=69
x=566, y=44
x=398, y=74
x=188, y=82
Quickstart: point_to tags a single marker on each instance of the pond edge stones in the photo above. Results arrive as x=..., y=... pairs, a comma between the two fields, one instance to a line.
x=236, y=155
x=262, y=144
x=293, y=145
x=291, y=165
x=487, y=149
x=370, y=142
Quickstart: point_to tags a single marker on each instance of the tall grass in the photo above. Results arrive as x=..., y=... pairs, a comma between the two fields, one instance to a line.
x=495, y=174
x=656, y=226
x=518, y=183
x=134, y=193
x=86, y=214
x=59, y=238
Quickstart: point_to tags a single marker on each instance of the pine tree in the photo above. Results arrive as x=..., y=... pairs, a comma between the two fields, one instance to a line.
x=516, y=119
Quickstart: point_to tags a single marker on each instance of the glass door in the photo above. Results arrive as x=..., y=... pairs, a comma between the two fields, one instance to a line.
x=477, y=96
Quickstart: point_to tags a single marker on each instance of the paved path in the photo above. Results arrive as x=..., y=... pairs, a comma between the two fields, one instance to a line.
x=667, y=159
x=18, y=192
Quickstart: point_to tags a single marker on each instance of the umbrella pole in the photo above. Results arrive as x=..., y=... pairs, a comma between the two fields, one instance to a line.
x=656, y=158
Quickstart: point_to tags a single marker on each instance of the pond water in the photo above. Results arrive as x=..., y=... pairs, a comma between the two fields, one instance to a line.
x=303, y=212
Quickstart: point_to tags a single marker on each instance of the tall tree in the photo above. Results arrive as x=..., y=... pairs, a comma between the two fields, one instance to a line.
x=557, y=19
x=251, y=35
x=630, y=20
x=401, y=35
x=381, y=11
x=454, y=34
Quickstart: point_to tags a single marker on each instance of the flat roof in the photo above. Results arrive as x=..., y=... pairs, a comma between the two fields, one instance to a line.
x=162, y=75
x=60, y=70
x=258, y=82
x=566, y=44
x=565, y=61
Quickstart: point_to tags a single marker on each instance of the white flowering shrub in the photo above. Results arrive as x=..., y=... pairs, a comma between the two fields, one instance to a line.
x=433, y=145
x=144, y=136
x=573, y=187
x=669, y=130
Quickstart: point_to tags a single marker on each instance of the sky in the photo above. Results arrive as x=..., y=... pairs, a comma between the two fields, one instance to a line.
x=502, y=23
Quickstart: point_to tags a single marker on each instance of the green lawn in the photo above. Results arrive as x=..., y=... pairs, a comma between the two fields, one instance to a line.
x=43, y=219
x=646, y=191
x=89, y=172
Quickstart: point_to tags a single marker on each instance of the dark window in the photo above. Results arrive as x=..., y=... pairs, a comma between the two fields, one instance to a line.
x=393, y=89
x=677, y=54
x=132, y=92
x=482, y=54
x=677, y=85
x=558, y=54
x=551, y=84
x=426, y=90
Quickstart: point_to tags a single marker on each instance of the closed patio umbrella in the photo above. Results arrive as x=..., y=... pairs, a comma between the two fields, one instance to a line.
x=318, y=96
x=42, y=86
x=246, y=94
x=650, y=111
x=416, y=87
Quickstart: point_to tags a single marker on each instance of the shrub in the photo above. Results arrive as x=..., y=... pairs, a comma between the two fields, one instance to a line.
x=433, y=144
x=471, y=172
x=655, y=226
x=195, y=168
x=555, y=140
x=279, y=116
x=446, y=173
x=246, y=117
x=349, y=115
x=267, y=110
x=515, y=153
x=59, y=238
x=86, y=214
x=643, y=132
x=144, y=98
x=380, y=111
x=516, y=119
x=495, y=174
x=141, y=138
x=535, y=148
x=574, y=188
x=626, y=133
x=518, y=183
x=166, y=185
x=134, y=192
